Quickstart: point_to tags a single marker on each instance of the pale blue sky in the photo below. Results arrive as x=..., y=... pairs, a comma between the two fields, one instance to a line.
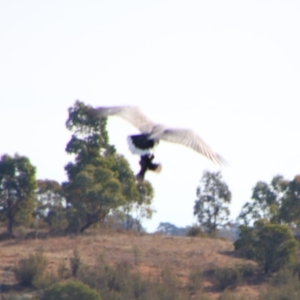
x=230, y=70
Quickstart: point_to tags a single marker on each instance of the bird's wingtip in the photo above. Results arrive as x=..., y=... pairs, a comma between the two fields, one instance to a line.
x=222, y=162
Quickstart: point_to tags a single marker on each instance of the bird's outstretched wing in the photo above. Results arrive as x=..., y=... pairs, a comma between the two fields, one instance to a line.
x=132, y=114
x=190, y=139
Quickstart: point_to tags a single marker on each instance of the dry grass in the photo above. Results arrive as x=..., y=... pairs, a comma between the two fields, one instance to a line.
x=147, y=254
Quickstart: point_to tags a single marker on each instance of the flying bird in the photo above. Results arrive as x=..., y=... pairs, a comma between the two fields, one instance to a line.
x=151, y=134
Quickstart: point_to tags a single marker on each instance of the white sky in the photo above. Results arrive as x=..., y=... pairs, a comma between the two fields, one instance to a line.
x=230, y=70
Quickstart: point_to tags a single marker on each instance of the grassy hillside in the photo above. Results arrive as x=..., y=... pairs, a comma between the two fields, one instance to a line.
x=143, y=253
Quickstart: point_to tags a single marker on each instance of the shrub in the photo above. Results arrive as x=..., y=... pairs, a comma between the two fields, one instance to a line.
x=46, y=280
x=118, y=282
x=196, y=231
x=247, y=270
x=275, y=247
x=227, y=277
x=75, y=263
x=111, y=281
x=28, y=270
x=284, y=285
x=72, y=290
x=245, y=242
x=57, y=220
x=271, y=245
x=195, y=282
x=62, y=271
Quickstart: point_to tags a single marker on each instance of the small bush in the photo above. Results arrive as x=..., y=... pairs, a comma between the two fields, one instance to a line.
x=195, y=282
x=62, y=271
x=247, y=271
x=75, y=263
x=57, y=220
x=196, y=231
x=28, y=270
x=46, y=280
x=118, y=282
x=227, y=277
x=72, y=290
x=273, y=246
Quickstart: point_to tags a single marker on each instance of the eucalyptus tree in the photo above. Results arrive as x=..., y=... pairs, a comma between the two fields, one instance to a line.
x=290, y=209
x=51, y=204
x=266, y=201
x=99, y=179
x=211, y=207
x=17, y=191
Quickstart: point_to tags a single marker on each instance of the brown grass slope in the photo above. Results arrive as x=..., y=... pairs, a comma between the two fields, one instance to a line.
x=146, y=253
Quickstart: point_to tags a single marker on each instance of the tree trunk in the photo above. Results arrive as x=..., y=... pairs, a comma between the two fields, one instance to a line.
x=86, y=226
x=10, y=226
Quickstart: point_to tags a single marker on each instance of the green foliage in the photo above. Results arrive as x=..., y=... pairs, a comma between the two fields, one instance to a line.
x=277, y=202
x=142, y=207
x=29, y=270
x=99, y=179
x=271, y=245
x=51, y=205
x=17, y=191
x=71, y=290
x=133, y=212
x=93, y=193
x=232, y=276
x=46, y=280
x=120, y=166
x=275, y=247
x=227, y=277
x=265, y=201
x=211, y=208
x=290, y=209
x=245, y=243
x=90, y=135
x=247, y=271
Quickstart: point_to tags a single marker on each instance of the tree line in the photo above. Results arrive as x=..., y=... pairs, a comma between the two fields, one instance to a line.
x=270, y=220
x=100, y=182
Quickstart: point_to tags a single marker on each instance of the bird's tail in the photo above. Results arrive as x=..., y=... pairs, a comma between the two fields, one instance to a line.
x=155, y=168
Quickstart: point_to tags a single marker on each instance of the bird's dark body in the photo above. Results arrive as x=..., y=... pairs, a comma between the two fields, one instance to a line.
x=142, y=145
x=142, y=141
